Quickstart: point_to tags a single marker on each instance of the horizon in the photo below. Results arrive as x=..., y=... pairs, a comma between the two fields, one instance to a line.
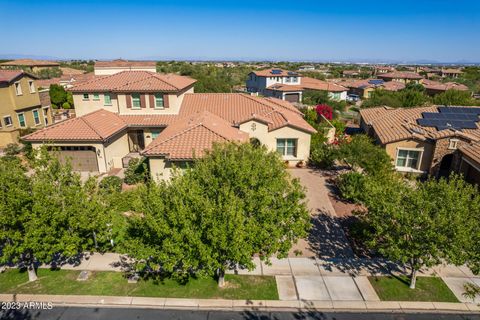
x=435, y=32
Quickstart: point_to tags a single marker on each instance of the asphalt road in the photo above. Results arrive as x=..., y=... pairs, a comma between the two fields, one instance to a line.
x=78, y=313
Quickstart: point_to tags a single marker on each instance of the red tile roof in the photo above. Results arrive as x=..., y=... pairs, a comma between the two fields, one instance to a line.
x=190, y=136
x=472, y=151
x=443, y=86
x=279, y=73
x=8, y=76
x=147, y=120
x=401, y=75
x=119, y=63
x=135, y=81
x=316, y=84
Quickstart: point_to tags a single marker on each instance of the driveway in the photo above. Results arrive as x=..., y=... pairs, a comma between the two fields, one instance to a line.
x=327, y=239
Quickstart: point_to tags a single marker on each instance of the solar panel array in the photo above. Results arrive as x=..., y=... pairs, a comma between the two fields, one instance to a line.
x=376, y=82
x=291, y=73
x=276, y=71
x=451, y=118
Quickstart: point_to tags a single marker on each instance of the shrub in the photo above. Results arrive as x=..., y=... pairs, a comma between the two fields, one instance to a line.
x=12, y=149
x=66, y=105
x=112, y=183
x=322, y=156
x=351, y=186
x=136, y=171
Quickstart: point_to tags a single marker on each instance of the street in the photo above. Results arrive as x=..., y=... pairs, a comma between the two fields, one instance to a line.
x=81, y=313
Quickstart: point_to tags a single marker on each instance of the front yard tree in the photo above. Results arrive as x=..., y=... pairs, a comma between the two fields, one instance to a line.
x=421, y=226
x=235, y=202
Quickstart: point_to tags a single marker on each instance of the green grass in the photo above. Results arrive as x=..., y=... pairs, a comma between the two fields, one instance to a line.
x=393, y=288
x=63, y=282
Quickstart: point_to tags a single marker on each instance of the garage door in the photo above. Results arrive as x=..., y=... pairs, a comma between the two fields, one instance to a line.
x=82, y=158
x=292, y=97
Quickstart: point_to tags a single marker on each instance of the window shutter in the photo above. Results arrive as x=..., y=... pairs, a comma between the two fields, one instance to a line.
x=128, y=97
x=142, y=101
x=165, y=101
x=152, y=100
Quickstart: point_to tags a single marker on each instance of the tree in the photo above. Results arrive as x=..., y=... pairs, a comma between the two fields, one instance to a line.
x=424, y=225
x=235, y=202
x=455, y=98
x=58, y=95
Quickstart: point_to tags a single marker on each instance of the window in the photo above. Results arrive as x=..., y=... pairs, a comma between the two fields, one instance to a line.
x=294, y=79
x=96, y=97
x=8, y=121
x=85, y=96
x=36, y=117
x=108, y=99
x=287, y=79
x=287, y=147
x=453, y=144
x=18, y=88
x=31, y=86
x=159, y=101
x=45, y=115
x=136, y=101
x=21, y=120
x=155, y=133
x=408, y=159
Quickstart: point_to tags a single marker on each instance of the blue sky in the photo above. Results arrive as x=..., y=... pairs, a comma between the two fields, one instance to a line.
x=342, y=30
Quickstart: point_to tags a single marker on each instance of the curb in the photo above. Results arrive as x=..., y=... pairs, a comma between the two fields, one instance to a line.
x=240, y=305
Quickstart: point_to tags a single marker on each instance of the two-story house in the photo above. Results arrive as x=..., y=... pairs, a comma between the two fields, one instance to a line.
x=289, y=85
x=20, y=105
x=401, y=76
x=158, y=116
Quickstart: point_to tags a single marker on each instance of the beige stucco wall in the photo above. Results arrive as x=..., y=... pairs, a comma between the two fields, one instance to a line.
x=83, y=106
x=269, y=139
x=426, y=157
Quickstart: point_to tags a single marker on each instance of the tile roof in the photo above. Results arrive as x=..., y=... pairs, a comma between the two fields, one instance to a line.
x=8, y=76
x=472, y=151
x=71, y=71
x=120, y=63
x=236, y=107
x=285, y=87
x=135, y=81
x=400, y=75
x=30, y=63
x=190, y=136
x=279, y=73
x=392, y=125
x=453, y=71
x=443, y=86
x=316, y=84
x=149, y=120
x=96, y=126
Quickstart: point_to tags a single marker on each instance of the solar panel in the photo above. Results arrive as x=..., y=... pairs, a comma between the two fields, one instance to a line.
x=376, y=81
x=276, y=71
x=451, y=117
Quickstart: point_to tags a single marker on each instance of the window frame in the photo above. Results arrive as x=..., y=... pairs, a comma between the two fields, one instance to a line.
x=453, y=144
x=45, y=115
x=18, y=88
x=96, y=97
x=109, y=99
x=31, y=86
x=163, y=101
x=24, y=120
x=38, y=116
x=407, y=168
x=86, y=97
x=11, y=120
x=134, y=101
x=285, y=153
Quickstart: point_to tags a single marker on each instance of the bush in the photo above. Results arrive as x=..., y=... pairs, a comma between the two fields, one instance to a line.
x=66, y=105
x=112, y=183
x=322, y=156
x=136, y=171
x=351, y=186
x=12, y=149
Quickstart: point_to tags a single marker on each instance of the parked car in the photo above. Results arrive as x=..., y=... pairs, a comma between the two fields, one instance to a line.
x=353, y=97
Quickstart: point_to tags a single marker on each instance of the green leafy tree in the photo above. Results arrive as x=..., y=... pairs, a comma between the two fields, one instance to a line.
x=455, y=98
x=58, y=95
x=235, y=202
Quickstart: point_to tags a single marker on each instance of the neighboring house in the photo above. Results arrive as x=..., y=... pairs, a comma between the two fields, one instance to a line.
x=435, y=87
x=158, y=116
x=383, y=69
x=431, y=140
x=350, y=73
x=306, y=68
x=289, y=85
x=450, y=73
x=401, y=76
x=29, y=64
x=365, y=88
x=103, y=68
x=20, y=105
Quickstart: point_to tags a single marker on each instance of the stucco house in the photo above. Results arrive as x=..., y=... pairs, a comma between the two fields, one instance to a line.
x=431, y=140
x=29, y=64
x=289, y=85
x=102, y=68
x=401, y=76
x=158, y=116
x=21, y=105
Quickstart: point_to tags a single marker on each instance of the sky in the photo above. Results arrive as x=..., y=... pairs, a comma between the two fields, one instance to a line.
x=295, y=30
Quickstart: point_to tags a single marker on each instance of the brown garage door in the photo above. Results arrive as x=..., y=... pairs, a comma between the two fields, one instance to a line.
x=292, y=97
x=82, y=158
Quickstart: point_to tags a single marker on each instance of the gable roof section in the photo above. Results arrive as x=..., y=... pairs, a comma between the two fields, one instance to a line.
x=400, y=75
x=8, y=76
x=235, y=108
x=472, y=151
x=96, y=126
x=190, y=136
x=316, y=84
x=443, y=86
x=135, y=81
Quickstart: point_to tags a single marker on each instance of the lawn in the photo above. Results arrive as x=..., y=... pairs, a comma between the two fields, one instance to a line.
x=396, y=288
x=63, y=282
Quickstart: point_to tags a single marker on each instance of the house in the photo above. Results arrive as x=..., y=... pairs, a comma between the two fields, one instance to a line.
x=289, y=85
x=382, y=69
x=306, y=68
x=365, y=88
x=435, y=87
x=401, y=76
x=29, y=64
x=450, y=73
x=133, y=113
x=20, y=107
x=431, y=140
x=350, y=73
x=102, y=68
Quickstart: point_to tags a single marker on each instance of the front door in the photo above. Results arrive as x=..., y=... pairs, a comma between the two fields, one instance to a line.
x=136, y=140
